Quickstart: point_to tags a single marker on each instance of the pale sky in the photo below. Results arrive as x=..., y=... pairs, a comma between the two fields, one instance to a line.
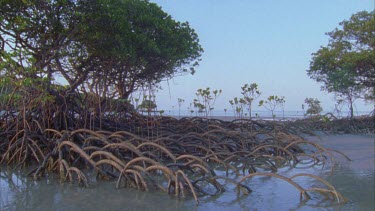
x=265, y=42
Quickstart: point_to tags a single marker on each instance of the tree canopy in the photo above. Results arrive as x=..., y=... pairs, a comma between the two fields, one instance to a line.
x=346, y=66
x=109, y=47
x=139, y=44
x=347, y=63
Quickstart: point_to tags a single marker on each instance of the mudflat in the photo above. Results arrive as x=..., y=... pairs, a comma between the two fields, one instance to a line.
x=359, y=148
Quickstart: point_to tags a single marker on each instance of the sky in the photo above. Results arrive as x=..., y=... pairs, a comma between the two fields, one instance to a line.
x=265, y=42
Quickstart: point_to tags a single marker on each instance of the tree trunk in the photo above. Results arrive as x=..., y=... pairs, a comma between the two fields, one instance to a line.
x=350, y=99
x=250, y=111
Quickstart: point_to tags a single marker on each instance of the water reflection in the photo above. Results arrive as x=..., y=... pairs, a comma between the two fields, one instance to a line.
x=358, y=186
x=355, y=180
x=22, y=193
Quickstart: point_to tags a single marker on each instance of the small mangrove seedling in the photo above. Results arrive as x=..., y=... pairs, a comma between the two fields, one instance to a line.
x=271, y=103
x=313, y=106
x=147, y=105
x=237, y=106
x=199, y=107
x=250, y=93
x=206, y=99
x=190, y=109
x=180, y=102
x=282, y=104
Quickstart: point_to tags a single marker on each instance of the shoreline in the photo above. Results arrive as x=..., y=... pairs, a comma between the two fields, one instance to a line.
x=231, y=118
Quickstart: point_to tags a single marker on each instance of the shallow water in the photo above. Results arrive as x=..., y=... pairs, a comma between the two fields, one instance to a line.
x=355, y=180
